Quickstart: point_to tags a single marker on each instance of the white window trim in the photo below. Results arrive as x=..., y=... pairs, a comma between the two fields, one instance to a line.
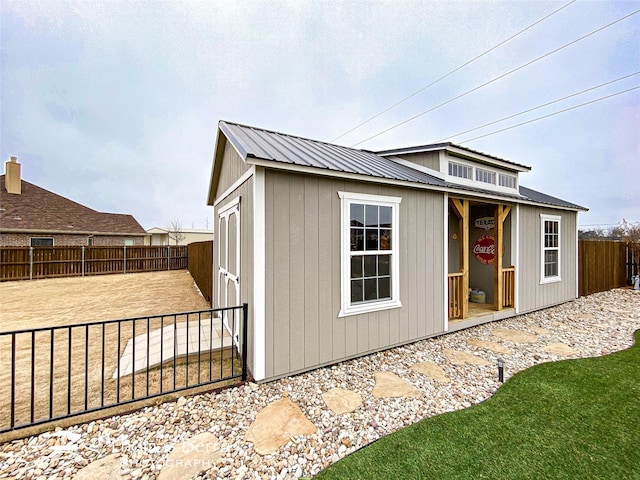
x=346, y=308
x=552, y=218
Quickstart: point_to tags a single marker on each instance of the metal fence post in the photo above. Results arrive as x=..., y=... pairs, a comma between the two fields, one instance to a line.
x=30, y=263
x=245, y=326
x=125, y=259
x=168, y=257
x=83, y=260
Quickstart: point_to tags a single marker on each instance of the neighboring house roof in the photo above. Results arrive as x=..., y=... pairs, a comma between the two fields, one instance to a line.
x=261, y=146
x=39, y=210
x=161, y=231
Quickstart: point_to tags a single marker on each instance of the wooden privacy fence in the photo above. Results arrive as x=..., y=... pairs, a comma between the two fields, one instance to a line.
x=603, y=265
x=28, y=263
x=200, y=266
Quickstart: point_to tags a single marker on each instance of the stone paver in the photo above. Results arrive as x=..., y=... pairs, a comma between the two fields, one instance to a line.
x=560, y=349
x=464, y=358
x=191, y=456
x=391, y=385
x=275, y=426
x=340, y=400
x=105, y=468
x=541, y=331
x=432, y=371
x=488, y=345
x=515, y=336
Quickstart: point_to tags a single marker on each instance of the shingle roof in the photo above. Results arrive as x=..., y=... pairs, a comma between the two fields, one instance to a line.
x=37, y=209
x=278, y=147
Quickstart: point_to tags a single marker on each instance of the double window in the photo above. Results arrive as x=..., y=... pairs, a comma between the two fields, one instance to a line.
x=550, y=261
x=41, y=241
x=369, y=253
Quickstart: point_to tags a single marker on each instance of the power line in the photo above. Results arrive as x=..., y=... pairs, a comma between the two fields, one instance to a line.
x=496, y=78
x=536, y=108
x=551, y=114
x=451, y=72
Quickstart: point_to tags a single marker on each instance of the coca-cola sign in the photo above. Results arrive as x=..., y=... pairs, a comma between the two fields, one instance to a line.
x=484, y=249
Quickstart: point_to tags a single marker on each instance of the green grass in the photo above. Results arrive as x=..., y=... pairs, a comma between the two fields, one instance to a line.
x=574, y=419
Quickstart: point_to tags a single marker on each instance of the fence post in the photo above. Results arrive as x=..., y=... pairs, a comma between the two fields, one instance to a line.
x=168, y=257
x=83, y=260
x=125, y=259
x=30, y=263
x=245, y=326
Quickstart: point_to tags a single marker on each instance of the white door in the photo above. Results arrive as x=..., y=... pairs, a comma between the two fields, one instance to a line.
x=229, y=265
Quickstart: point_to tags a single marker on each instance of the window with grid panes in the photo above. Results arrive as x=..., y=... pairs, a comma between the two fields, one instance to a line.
x=370, y=261
x=550, y=261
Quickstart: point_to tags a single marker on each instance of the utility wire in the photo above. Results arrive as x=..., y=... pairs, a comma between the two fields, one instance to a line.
x=496, y=78
x=550, y=115
x=536, y=108
x=451, y=72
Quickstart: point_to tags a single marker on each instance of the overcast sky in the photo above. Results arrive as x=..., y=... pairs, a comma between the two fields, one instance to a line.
x=115, y=104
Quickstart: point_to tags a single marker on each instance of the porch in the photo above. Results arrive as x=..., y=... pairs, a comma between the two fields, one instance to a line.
x=495, y=283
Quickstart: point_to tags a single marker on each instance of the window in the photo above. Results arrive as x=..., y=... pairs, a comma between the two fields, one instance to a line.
x=370, y=272
x=550, y=261
x=508, y=181
x=129, y=242
x=460, y=170
x=485, y=176
x=41, y=241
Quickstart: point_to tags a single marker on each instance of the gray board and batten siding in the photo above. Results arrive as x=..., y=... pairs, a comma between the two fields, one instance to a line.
x=532, y=295
x=302, y=224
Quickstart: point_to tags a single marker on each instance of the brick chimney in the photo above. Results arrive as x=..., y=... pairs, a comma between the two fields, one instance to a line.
x=12, y=179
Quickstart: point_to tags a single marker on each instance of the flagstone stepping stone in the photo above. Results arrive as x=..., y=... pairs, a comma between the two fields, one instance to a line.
x=191, y=457
x=541, y=331
x=464, y=358
x=276, y=424
x=584, y=316
x=105, y=468
x=493, y=346
x=342, y=401
x=516, y=336
x=391, y=385
x=560, y=349
x=431, y=370
x=620, y=311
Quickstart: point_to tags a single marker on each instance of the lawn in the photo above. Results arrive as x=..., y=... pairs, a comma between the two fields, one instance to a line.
x=569, y=419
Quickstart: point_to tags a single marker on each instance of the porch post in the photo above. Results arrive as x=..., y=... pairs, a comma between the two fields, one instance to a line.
x=461, y=208
x=500, y=216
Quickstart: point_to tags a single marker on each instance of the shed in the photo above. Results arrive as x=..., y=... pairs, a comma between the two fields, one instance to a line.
x=343, y=252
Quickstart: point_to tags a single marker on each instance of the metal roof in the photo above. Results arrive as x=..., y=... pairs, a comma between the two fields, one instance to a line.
x=278, y=147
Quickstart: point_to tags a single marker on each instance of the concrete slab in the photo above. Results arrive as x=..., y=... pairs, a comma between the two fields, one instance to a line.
x=173, y=341
x=276, y=424
x=391, y=385
x=342, y=401
x=432, y=371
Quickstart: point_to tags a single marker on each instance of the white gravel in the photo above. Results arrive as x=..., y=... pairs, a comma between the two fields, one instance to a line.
x=595, y=325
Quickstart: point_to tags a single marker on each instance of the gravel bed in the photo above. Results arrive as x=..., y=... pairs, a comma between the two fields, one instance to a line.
x=595, y=325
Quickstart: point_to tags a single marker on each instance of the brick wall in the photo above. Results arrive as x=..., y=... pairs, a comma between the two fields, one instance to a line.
x=22, y=240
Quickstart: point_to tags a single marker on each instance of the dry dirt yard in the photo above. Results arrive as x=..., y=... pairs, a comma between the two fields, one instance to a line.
x=65, y=301
x=85, y=380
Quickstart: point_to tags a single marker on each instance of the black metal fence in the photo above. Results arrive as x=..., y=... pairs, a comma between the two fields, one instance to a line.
x=57, y=372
